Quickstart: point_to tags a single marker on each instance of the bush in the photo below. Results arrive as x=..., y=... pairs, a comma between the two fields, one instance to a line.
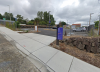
x=30, y=23
x=52, y=23
x=91, y=32
x=17, y=23
x=27, y=31
x=7, y=24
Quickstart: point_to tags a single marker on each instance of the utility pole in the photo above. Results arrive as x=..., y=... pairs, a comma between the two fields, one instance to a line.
x=90, y=18
x=9, y=14
x=99, y=25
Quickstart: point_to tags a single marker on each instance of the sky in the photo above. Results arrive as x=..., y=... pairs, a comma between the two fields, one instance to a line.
x=70, y=11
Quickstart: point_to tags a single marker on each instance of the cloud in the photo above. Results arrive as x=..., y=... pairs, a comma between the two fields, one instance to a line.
x=81, y=12
x=72, y=10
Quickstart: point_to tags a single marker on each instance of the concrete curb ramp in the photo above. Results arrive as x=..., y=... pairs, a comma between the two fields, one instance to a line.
x=46, y=59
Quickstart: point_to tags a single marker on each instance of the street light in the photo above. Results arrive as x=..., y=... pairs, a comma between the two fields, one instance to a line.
x=9, y=13
x=90, y=18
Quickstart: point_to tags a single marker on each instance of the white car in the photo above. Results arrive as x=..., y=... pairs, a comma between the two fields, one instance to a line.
x=81, y=29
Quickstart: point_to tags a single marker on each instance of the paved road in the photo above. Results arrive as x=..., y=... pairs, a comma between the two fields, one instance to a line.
x=44, y=31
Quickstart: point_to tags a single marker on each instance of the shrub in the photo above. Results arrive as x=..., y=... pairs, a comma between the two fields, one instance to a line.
x=26, y=31
x=17, y=23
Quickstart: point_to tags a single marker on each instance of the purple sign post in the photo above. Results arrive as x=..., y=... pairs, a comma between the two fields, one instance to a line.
x=60, y=33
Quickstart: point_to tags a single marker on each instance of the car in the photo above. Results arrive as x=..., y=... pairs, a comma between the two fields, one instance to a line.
x=84, y=29
x=81, y=29
x=54, y=27
x=74, y=29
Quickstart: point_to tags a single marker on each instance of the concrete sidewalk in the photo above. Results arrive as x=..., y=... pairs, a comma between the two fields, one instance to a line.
x=45, y=58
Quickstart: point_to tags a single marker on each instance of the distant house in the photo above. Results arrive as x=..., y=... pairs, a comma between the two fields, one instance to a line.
x=75, y=25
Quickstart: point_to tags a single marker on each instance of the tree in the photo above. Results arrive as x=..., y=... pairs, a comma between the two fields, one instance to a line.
x=63, y=23
x=27, y=20
x=46, y=16
x=36, y=20
x=19, y=18
x=12, y=18
x=8, y=15
x=52, y=20
x=1, y=17
x=40, y=15
x=44, y=23
x=23, y=22
x=52, y=23
x=96, y=24
x=30, y=23
x=32, y=20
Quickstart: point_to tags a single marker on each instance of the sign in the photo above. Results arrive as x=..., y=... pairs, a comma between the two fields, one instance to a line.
x=4, y=18
x=15, y=19
x=60, y=33
x=49, y=21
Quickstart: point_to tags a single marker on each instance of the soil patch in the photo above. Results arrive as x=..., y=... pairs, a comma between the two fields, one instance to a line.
x=11, y=60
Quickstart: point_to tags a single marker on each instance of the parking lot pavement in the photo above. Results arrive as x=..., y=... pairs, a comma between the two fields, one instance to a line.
x=47, y=31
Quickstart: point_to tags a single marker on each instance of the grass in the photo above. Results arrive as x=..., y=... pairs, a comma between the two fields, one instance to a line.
x=92, y=33
x=10, y=26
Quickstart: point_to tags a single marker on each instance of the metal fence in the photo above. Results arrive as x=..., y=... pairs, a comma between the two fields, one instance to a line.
x=91, y=27
x=3, y=22
x=90, y=30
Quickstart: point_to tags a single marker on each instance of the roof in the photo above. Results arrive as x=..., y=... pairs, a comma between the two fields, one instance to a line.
x=76, y=24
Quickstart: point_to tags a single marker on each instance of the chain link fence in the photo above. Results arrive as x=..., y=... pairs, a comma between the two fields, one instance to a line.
x=8, y=24
x=90, y=30
x=3, y=22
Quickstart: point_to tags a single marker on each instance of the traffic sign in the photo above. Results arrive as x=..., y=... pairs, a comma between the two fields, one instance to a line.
x=49, y=21
x=15, y=19
x=60, y=33
x=4, y=18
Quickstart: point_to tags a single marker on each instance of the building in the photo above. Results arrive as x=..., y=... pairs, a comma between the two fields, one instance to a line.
x=66, y=26
x=75, y=25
